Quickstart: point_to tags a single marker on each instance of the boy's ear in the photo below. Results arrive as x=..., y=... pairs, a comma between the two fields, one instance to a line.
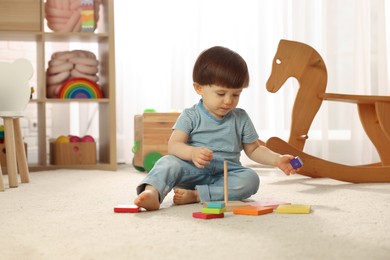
x=198, y=88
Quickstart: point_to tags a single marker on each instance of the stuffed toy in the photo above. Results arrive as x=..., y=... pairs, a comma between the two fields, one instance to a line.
x=66, y=15
x=67, y=65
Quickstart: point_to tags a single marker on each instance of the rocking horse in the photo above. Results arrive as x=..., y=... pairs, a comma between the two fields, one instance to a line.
x=298, y=60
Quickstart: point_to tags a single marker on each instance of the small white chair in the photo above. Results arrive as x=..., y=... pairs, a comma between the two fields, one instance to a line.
x=14, y=97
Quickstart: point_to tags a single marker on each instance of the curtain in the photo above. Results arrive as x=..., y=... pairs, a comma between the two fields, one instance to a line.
x=157, y=43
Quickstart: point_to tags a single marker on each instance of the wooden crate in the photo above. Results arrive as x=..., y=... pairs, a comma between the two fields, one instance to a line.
x=151, y=134
x=21, y=15
x=73, y=153
x=3, y=160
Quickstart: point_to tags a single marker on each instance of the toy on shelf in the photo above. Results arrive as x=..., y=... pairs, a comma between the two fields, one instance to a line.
x=79, y=88
x=67, y=65
x=70, y=15
x=151, y=135
x=62, y=139
x=299, y=60
x=72, y=139
x=87, y=16
x=87, y=138
x=71, y=150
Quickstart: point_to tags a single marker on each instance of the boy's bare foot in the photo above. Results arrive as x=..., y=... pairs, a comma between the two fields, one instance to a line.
x=148, y=199
x=183, y=196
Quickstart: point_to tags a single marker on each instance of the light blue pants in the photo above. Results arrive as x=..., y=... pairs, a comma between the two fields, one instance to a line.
x=170, y=172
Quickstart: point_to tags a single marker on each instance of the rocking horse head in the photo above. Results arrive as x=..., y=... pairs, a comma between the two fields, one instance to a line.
x=299, y=60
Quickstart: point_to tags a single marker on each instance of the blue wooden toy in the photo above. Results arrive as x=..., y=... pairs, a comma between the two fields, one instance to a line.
x=215, y=204
x=296, y=162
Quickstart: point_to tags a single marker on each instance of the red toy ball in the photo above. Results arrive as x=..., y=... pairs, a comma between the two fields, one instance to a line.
x=87, y=138
x=74, y=139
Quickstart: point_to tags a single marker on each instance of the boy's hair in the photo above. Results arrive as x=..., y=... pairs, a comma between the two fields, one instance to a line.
x=221, y=66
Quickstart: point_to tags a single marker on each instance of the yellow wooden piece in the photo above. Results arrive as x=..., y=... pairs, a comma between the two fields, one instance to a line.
x=293, y=209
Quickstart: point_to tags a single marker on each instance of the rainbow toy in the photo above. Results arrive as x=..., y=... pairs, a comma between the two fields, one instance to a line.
x=79, y=88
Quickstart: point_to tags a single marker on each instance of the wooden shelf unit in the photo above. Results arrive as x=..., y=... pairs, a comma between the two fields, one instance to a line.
x=34, y=31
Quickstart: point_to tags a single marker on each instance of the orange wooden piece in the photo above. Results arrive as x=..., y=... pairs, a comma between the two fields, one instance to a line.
x=252, y=210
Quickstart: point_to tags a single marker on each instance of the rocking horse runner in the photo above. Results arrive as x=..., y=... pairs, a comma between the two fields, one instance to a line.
x=298, y=60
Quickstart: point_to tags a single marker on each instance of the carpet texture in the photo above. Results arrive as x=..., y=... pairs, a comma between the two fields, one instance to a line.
x=68, y=214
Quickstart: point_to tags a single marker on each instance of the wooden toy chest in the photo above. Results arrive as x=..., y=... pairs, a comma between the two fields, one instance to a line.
x=151, y=134
x=72, y=153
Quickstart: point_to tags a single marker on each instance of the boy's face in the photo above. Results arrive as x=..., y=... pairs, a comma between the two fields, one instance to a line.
x=218, y=101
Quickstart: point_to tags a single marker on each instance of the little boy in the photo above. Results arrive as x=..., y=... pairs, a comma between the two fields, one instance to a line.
x=208, y=133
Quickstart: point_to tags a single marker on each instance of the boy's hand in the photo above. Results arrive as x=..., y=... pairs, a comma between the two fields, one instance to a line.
x=201, y=156
x=285, y=166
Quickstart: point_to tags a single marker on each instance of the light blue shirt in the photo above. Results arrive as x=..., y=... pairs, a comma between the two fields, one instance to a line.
x=225, y=137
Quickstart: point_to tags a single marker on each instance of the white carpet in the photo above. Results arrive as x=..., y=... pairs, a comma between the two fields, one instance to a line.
x=68, y=214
